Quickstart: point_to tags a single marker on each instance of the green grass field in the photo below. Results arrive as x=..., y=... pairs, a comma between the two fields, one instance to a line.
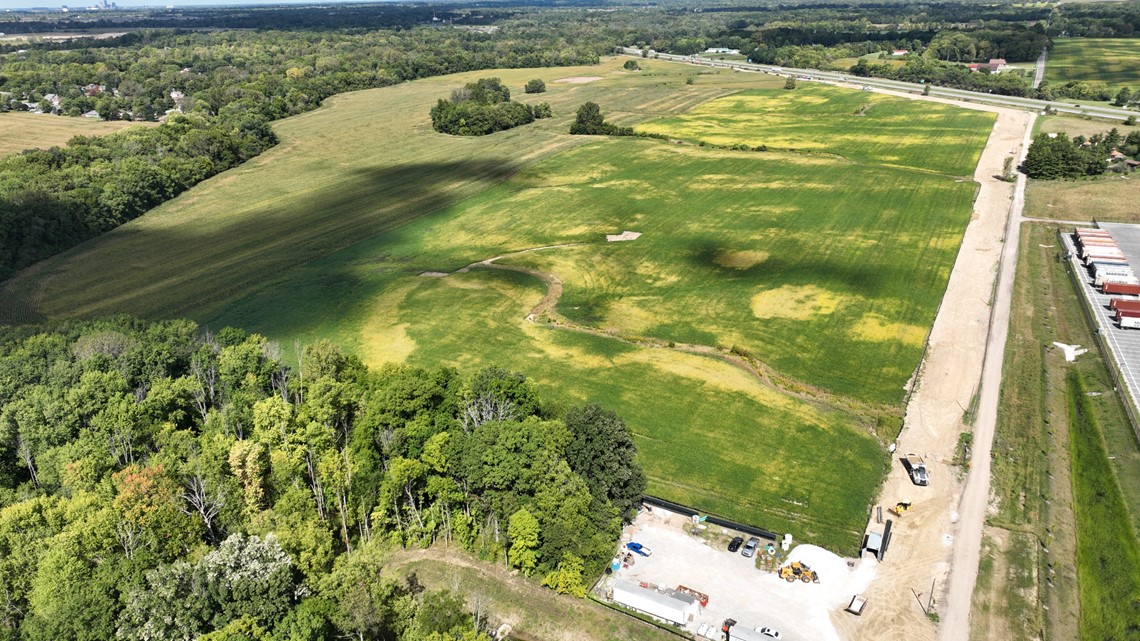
x=1114, y=61
x=1108, y=553
x=861, y=126
x=826, y=270
x=20, y=131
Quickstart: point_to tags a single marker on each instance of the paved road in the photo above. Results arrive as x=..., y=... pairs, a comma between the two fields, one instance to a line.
x=1040, y=74
x=1031, y=104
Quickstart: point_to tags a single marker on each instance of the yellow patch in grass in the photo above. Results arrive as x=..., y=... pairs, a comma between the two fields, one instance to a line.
x=794, y=302
x=383, y=340
x=631, y=314
x=740, y=259
x=875, y=328
x=720, y=374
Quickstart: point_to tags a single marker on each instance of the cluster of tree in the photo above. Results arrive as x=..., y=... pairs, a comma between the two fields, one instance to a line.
x=305, y=17
x=535, y=86
x=1014, y=43
x=53, y=199
x=160, y=482
x=1109, y=20
x=1091, y=91
x=589, y=122
x=273, y=73
x=1053, y=156
x=484, y=107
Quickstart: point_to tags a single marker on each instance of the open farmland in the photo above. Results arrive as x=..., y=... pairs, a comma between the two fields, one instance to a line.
x=824, y=270
x=858, y=125
x=20, y=131
x=1114, y=61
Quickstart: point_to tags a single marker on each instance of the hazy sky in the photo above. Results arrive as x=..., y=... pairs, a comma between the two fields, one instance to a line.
x=79, y=4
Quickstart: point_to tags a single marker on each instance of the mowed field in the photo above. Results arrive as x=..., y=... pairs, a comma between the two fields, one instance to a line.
x=20, y=131
x=861, y=126
x=1115, y=61
x=826, y=271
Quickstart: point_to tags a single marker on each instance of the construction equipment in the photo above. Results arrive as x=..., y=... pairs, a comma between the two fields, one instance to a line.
x=901, y=507
x=796, y=570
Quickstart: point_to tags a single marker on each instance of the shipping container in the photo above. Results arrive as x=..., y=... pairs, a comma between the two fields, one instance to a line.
x=1128, y=289
x=1127, y=313
x=1101, y=252
x=1101, y=275
x=1120, y=303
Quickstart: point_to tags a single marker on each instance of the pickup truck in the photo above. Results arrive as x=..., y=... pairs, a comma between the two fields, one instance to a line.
x=916, y=467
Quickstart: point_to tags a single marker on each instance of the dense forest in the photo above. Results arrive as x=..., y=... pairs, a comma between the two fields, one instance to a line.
x=158, y=481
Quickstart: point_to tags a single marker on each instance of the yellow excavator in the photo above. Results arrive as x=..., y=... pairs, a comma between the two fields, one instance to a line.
x=796, y=570
x=901, y=507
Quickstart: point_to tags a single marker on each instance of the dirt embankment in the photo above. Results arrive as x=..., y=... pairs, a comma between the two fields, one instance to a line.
x=940, y=538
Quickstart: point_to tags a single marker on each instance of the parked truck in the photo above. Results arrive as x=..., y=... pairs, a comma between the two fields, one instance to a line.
x=1130, y=322
x=916, y=467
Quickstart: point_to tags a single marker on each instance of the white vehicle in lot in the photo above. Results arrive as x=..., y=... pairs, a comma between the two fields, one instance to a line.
x=769, y=632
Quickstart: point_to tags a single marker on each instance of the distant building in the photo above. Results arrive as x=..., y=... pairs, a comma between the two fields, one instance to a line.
x=995, y=65
x=900, y=52
x=722, y=50
x=91, y=114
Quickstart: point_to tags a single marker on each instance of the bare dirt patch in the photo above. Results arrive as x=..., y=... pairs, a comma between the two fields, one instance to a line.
x=578, y=80
x=625, y=235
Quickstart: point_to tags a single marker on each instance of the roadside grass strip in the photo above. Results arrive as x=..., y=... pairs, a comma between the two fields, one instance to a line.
x=1108, y=553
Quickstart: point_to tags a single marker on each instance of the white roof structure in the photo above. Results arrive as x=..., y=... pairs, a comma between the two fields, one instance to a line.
x=675, y=608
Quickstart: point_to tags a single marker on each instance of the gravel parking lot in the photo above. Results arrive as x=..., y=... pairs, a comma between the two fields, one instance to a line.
x=736, y=589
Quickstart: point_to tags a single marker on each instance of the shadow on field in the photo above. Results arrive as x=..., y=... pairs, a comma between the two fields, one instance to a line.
x=862, y=278
x=207, y=261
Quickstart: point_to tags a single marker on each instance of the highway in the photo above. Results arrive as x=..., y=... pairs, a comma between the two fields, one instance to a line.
x=1029, y=104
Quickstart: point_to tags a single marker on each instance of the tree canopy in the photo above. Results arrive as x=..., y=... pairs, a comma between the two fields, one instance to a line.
x=158, y=481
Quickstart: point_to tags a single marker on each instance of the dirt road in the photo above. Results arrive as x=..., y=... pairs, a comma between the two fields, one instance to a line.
x=944, y=528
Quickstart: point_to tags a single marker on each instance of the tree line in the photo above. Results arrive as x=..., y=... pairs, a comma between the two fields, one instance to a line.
x=1053, y=156
x=158, y=481
x=54, y=199
x=485, y=106
x=229, y=85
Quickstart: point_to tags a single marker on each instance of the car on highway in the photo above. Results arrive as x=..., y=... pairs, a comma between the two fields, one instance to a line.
x=769, y=632
x=735, y=543
x=750, y=547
